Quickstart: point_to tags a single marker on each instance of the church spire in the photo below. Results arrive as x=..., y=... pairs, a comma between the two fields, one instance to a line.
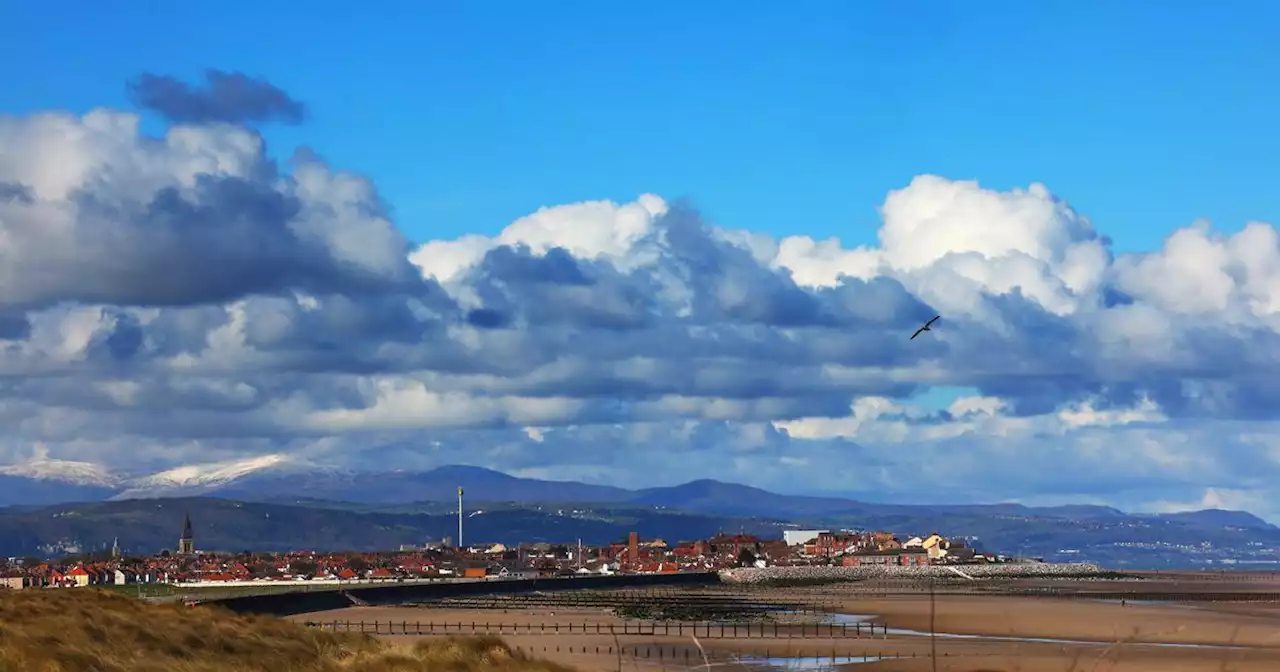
x=186, y=543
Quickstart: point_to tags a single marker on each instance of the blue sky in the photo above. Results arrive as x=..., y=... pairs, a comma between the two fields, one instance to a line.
x=182, y=307
x=774, y=119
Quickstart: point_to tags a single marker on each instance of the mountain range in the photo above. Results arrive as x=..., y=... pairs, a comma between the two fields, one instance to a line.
x=534, y=509
x=276, y=478
x=147, y=526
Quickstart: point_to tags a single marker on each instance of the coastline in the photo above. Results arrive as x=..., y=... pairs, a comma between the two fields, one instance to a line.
x=1117, y=636
x=1090, y=621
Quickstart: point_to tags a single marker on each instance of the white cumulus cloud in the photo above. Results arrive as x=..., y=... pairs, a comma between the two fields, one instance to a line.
x=190, y=299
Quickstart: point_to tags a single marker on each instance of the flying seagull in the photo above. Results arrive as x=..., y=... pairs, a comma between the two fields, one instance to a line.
x=924, y=328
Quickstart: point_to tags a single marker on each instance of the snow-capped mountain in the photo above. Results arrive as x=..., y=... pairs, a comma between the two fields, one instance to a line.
x=40, y=467
x=209, y=477
x=277, y=476
x=64, y=471
x=41, y=480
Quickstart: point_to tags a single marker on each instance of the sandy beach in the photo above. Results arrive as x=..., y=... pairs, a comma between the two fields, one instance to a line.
x=1027, y=662
x=559, y=635
x=1077, y=620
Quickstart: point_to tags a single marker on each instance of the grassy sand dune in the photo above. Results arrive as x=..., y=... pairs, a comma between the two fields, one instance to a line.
x=96, y=631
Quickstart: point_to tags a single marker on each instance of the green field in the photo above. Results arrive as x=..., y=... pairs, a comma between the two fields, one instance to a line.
x=212, y=592
x=140, y=590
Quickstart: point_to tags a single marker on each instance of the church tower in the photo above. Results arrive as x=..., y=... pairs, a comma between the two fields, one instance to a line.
x=187, y=543
x=115, y=549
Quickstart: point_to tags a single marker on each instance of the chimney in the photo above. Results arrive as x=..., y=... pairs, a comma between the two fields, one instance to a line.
x=633, y=549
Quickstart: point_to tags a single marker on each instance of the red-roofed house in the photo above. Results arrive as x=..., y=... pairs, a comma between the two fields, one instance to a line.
x=78, y=576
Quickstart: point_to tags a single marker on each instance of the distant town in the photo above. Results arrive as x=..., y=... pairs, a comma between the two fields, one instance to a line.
x=187, y=565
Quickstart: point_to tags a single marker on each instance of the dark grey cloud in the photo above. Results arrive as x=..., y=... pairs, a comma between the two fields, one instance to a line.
x=556, y=289
x=125, y=338
x=14, y=325
x=16, y=192
x=227, y=97
x=226, y=238
x=729, y=284
x=878, y=302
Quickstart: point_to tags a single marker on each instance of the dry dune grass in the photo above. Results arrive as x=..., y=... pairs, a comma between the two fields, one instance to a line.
x=96, y=631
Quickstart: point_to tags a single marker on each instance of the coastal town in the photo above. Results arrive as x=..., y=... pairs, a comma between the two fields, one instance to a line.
x=188, y=565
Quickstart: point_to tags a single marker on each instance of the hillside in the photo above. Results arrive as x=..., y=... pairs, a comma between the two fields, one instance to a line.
x=276, y=509
x=97, y=630
x=438, y=485
x=26, y=490
x=435, y=491
x=149, y=525
x=732, y=499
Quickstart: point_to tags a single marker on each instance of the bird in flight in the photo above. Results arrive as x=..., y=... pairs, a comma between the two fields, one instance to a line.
x=924, y=328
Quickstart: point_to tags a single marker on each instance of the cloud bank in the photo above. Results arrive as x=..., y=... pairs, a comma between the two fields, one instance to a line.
x=227, y=97
x=184, y=299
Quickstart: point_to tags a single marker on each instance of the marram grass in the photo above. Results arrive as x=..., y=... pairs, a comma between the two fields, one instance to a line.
x=78, y=630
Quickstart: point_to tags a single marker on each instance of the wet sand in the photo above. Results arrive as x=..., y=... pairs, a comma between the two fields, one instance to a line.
x=1077, y=620
x=1257, y=629
x=1024, y=662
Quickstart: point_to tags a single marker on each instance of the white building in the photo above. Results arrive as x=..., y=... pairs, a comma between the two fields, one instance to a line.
x=798, y=537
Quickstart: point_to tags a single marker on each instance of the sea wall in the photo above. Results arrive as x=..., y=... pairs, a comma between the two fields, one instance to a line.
x=285, y=604
x=751, y=575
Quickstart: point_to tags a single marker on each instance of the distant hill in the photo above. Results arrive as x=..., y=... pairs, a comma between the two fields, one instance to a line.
x=741, y=500
x=1218, y=517
x=40, y=491
x=438, y=485
x=564, y=511
x=1069, y=512
x=272, y=481
x=148, y=526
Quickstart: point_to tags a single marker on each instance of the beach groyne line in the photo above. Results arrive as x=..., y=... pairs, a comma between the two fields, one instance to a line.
x=636, y=629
